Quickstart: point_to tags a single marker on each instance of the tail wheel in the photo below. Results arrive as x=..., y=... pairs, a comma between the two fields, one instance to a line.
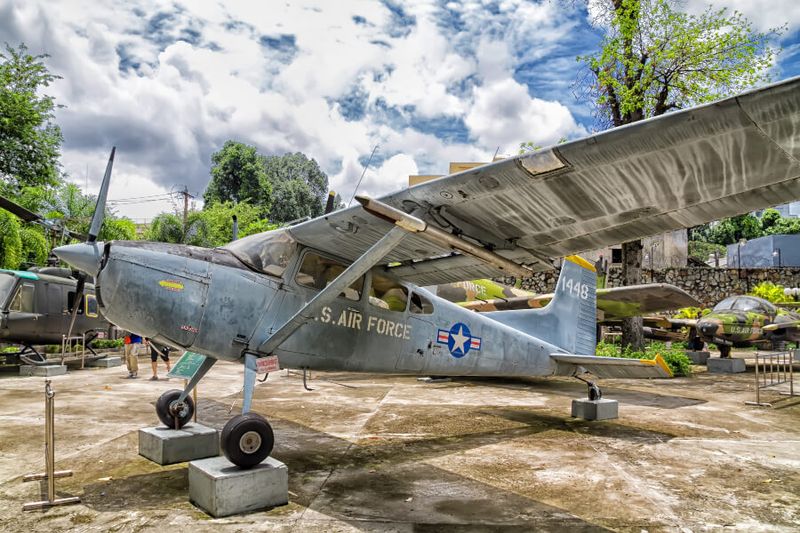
x=169, y=409
x=247, y=440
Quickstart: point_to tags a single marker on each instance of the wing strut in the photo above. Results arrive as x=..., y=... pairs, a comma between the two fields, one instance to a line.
x=326, y=295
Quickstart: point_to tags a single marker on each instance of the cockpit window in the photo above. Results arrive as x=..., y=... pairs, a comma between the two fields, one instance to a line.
x=725, y=304
x=23, y=299
x=6, y=284
x=318, y=272
x=265, y=252
x=387, y=293
x=420, y=305
x=744, y=303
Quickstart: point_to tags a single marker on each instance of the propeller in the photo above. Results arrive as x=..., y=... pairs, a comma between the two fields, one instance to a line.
x=94, y=230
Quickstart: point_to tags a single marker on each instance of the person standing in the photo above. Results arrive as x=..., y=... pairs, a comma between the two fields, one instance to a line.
x=157, y=351
x=132, y=344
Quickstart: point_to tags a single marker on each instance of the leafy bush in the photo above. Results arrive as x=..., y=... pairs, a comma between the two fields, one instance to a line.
x=769, y=291
x=703, y=250
x=675, y=356
x=103, y=344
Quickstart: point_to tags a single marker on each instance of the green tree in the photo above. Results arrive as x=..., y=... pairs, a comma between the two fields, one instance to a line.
x=30, y=141
x=219, y=221
x=654, y=58
x=732, y=230
x=238, y=175
x=168, y=227
x=34, y=248
x=117, y=229
x=10, y=241
x=300, y=187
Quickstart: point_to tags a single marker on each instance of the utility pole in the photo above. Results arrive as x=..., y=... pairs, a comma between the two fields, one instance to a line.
x=186, y=196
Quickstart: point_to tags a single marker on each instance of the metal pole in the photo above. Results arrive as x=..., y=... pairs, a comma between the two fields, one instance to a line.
x=194, y=397
x=758, y=385
x=49, y=442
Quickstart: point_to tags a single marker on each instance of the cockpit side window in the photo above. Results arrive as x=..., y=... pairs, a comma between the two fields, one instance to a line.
x=23, y=299
x=317, y=272
x=419, y=304
x=387, y=293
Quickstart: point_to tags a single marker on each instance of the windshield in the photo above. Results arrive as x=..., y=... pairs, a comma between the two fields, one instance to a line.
x=725, y=304
x=265, y=252
x=7, y=282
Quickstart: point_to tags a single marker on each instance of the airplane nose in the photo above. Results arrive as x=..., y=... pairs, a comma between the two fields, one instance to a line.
x=84, y=256
x=707, y=329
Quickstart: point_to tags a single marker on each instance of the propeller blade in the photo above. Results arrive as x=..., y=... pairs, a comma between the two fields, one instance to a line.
x=100, y=208
x=21, y=212
x=77, y=302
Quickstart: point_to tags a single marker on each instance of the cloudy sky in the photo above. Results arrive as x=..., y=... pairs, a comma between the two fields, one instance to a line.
x=427, y=81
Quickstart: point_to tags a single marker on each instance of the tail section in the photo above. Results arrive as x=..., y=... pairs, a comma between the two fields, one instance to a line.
x=569, y=321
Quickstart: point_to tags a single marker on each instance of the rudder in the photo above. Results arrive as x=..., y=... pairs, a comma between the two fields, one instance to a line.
x=569, y=321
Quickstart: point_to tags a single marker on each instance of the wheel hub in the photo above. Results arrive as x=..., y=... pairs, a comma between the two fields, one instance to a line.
x=178, y=409
x=250, y=442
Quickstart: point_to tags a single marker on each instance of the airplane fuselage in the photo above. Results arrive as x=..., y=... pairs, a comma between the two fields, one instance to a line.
x=209, y=302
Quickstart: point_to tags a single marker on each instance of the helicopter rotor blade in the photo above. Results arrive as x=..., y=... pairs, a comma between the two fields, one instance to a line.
x=100, y=207
x=21, y=212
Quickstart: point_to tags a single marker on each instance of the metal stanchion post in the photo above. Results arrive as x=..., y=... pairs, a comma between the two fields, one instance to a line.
x=758, y=385
x=49, y=458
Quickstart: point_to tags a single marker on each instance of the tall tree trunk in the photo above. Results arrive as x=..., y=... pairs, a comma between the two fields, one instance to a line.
x=632, y=334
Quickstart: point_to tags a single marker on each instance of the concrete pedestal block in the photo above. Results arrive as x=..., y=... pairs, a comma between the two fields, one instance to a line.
x=602, y=409
x=698, y=358
x=728, y=365
x=44, y=370
x=169, y=446
x=106, y=362
x=221, y=488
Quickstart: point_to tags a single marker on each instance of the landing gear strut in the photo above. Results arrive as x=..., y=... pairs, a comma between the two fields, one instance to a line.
x=594, y=391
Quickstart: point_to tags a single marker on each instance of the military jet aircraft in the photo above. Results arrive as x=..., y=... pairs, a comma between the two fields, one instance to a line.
x=741, y=321
x=36, y=307
x=340, y=292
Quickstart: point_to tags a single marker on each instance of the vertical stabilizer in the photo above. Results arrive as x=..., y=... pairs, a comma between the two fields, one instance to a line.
x=569, y=321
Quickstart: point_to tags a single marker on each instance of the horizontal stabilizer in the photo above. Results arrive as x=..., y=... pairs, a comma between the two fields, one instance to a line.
x=781, y=325
x=617, y=367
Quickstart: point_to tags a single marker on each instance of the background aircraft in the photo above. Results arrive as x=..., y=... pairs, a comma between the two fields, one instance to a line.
x=36, y=308
x=308, y=294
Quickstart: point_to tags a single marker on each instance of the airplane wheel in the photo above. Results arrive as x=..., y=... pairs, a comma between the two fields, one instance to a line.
x=168, y=408
x=247, y=440
x=695, y=344
x=724, y=351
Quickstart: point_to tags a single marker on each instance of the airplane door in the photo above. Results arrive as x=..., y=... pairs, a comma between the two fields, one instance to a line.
x=419, y=348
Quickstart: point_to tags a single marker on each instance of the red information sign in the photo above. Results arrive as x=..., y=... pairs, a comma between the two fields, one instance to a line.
x=265, y=365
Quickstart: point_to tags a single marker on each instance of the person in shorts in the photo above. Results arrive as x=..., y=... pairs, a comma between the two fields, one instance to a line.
x=156, y=351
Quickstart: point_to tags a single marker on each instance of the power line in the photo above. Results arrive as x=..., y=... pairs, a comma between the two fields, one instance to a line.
x=363, y=173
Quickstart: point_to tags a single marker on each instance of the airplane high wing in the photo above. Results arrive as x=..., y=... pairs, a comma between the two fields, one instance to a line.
x=673, y=171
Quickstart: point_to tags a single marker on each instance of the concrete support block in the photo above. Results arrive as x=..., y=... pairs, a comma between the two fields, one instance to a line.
x=698, y=358
x=221, y=488
x=602, y=409
x=44, y=370
x=727, y=365
x=169, y=446
x=106, y=362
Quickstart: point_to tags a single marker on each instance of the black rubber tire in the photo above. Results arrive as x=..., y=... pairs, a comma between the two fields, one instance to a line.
x=696, y=344
x=238, y=429
x=724, y=351
x=165, y=401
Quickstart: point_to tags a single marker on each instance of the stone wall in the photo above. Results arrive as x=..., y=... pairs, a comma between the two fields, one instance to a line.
x=709, y=285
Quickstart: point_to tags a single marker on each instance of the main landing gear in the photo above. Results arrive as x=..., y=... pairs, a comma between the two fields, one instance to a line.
x=246, y=439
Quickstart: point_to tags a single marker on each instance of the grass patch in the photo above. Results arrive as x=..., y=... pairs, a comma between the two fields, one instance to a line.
x=674, y=356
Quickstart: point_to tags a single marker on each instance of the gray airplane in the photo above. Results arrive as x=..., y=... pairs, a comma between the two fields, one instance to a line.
x=340, y=292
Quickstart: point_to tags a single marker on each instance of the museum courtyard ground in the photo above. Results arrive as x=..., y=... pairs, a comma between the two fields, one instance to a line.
x=391, y=453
